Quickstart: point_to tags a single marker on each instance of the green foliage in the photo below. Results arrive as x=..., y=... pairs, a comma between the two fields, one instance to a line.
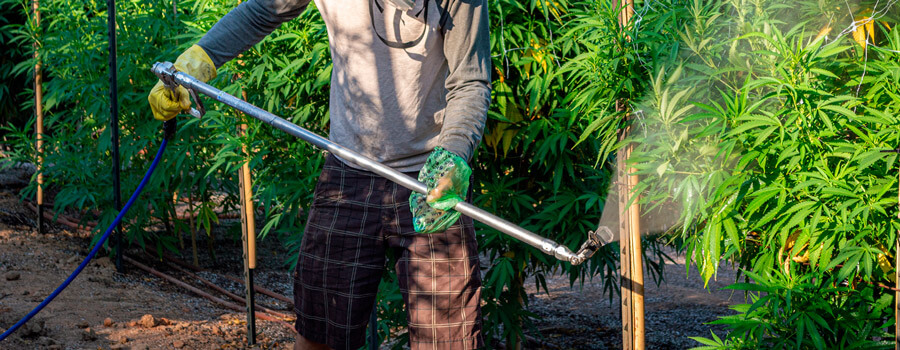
x=754, y=117
x=537, y=134
x=559, y=69
x=766, y=126
x=76, y=107
x=201, y=163
x=809, y=313
x=15, y=84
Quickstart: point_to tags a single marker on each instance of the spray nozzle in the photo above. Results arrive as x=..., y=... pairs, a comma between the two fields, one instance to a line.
x=596, y=239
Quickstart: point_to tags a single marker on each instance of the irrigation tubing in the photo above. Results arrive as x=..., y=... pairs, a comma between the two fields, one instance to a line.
x=170, y=126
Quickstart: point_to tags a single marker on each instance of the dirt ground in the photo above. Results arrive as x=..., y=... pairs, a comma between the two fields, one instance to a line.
x=584, y=317
x=103, y=309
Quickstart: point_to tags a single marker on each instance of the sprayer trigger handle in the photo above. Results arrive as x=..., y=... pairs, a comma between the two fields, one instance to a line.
x=200, y=110
x=165, y=71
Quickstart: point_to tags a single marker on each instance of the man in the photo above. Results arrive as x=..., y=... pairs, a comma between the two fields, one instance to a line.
x=410, y=88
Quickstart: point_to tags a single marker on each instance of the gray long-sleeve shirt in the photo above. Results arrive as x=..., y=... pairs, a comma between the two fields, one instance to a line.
x=393, y=105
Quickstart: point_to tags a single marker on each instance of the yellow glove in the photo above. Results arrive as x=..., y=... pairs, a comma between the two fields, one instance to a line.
x=163, y=102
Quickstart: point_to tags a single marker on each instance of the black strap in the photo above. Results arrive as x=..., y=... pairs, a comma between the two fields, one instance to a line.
x=398, y=45
x=445, y=14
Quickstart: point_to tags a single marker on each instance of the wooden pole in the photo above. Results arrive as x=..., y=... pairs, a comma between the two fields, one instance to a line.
x=637, y=263
x=625, y=246
x=193, y=229
x=39, y=114
x=631, y=263
x=248, y=235
x=631, y=259
x=247, y=207
x=175, y=218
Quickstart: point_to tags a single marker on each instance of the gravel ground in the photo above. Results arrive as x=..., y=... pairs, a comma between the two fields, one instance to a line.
x=584, y=318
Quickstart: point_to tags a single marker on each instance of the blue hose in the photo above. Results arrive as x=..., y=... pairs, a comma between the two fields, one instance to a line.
x=134, y=196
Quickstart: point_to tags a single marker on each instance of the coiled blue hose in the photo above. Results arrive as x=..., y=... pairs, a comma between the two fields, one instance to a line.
x=134, y=196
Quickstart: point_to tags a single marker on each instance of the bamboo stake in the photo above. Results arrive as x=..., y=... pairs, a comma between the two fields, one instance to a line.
x=897, y=277
x=896, y=268
x=175, y=219
x=39, y=113
x=210, y=245
x=165, y=218
x=193, y=230
x=631, y=259
x=625, y=246
x=631, y=264
x=637, y=263
x=248, y=230
x=247, y=207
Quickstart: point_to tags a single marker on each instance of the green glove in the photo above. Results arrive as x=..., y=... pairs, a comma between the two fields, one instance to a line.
x=163, y=102
x=447, y=177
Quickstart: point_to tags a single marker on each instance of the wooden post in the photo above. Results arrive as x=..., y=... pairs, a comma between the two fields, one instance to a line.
x=631, y=263
x=248, y=235
x=637, y=262
x=39, y=114
x=622, y=183
x=631, y=259
x=193, y=229
x=175, y=216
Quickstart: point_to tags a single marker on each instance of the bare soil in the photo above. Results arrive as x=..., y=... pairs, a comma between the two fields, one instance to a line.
x=104, y=309
x=584, y=317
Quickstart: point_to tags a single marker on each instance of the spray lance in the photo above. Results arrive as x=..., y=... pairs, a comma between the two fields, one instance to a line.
x=172, y=78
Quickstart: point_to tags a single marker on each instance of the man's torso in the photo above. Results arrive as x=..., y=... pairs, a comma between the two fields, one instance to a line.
x=386, y=103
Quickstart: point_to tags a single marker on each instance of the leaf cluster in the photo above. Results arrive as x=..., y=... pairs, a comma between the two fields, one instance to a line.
x=765, y=123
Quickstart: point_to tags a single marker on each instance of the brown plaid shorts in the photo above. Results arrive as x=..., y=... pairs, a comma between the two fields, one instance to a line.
x=356, y=217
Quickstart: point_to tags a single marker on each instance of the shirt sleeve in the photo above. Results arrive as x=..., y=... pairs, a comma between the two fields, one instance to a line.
x=467, y=48
x=246, y=25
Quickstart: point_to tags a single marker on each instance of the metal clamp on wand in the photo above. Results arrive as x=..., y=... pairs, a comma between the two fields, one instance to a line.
x=596, y=239
x=166, y=73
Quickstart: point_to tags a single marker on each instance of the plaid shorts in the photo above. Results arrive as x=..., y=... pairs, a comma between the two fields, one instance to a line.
x=356, y=217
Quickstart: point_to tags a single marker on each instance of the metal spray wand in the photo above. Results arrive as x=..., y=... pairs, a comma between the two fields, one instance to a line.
x=596, y=239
